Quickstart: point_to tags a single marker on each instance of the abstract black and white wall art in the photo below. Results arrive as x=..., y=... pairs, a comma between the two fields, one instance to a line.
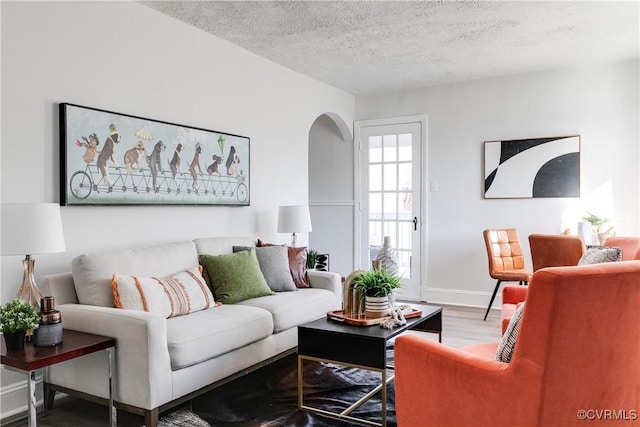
x=539, y=167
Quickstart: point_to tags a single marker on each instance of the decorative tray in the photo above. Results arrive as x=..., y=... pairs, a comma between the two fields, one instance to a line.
x=338, y=315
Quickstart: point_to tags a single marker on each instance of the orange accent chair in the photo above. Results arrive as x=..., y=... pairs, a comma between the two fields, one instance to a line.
x=555, y=250
x=513, y=296
x=630, y=246
x=506, y=261
x=547, y=250
x=568, y=363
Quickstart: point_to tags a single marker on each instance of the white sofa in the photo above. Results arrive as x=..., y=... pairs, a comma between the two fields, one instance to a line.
x=162, y=362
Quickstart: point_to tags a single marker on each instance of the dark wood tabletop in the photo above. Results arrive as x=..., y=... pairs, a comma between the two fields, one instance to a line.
x=374, y=331
x=74, y=344
x=328, y=339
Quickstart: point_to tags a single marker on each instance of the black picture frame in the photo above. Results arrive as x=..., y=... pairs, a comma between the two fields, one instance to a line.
x=322, y=262
x=110, y=158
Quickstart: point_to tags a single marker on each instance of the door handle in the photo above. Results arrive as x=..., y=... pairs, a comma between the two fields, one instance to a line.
x=415, y=223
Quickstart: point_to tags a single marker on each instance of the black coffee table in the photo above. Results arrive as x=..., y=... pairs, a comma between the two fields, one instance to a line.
x=362, y=347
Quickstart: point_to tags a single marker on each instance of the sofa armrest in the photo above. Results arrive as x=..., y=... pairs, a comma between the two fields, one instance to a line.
x=514, y=294
x=326, y=280
x=143, y=367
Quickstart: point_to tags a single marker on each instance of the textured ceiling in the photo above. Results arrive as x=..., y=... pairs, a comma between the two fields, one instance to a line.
x=376, y=46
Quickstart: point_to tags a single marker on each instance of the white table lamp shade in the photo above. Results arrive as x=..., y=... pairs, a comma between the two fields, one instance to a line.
x=31, y=228
x=294, y=219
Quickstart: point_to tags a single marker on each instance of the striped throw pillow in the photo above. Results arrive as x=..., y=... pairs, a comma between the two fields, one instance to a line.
x=176, y=295
x=508, y=343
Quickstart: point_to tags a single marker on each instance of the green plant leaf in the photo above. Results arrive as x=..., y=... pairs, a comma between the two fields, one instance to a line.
x=376, y=283
x=18, y=315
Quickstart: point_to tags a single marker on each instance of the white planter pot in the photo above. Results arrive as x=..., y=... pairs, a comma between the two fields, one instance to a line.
x=375, y=307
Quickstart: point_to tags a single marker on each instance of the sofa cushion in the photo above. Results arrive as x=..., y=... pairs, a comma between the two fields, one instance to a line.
x=176, y=295
x=290, y=309
x=235, y=277
x=506, y=313
x=209, y=333
x=274, y=264
x=92, y=272
x=222, y=245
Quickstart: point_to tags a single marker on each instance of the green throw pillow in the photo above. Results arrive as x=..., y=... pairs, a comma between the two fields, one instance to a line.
x=274, y=264
x=235, y=277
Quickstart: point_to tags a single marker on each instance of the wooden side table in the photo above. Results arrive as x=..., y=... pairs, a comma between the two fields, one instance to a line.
x=74, y=344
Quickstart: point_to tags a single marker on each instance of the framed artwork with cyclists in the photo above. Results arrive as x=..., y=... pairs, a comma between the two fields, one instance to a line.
x=109, y=158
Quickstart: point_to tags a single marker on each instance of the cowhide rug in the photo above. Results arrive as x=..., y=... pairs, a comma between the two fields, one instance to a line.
x=268, y=397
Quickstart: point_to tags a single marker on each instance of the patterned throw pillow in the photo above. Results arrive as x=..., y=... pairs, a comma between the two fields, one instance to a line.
x=297, y=263
x=176, y=295
x=597, y=254
x=508, y=343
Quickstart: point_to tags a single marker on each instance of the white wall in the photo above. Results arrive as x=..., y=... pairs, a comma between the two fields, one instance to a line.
x=125, y=57
x=600, y=103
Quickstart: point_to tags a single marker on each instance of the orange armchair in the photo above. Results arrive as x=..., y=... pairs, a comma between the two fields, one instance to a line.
x=512, y=297
x=547, y=250
x=506, y=261
x=555, y=250
x=630, y=246
x=578, y=350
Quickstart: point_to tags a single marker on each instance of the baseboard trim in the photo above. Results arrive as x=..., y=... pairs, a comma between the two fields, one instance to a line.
x=460, y=297
x=14, y=397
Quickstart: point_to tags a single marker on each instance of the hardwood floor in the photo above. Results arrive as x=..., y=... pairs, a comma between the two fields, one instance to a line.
x=462, y=326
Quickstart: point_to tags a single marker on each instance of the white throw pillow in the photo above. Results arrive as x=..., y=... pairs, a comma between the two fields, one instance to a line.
x=176, y=295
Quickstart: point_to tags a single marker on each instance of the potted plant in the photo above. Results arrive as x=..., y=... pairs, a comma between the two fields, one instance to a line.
x=597, y=226
x=312, y=259
x=16, y=318
x=376, y=287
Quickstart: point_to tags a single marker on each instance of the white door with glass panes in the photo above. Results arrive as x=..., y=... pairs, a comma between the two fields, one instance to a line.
x=391, y=167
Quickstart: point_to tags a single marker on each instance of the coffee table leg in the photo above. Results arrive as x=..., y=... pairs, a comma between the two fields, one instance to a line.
x=32, y=398
x=345, y=414
x=113, y=412
x=300, y=383
x=384, y=397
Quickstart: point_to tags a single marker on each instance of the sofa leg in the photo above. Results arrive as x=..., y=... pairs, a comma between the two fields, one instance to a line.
x=49, y=396
x=151, y=417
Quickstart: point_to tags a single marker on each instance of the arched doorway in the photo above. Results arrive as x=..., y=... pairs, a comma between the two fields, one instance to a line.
x=331, y=191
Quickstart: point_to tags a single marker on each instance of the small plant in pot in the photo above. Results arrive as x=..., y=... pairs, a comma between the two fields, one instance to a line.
x=598, y=224
x=312, y=259
x=16, y=318
x=375, y=287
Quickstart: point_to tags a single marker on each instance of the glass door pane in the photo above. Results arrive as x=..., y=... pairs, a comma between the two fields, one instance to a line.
x=391, y=164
